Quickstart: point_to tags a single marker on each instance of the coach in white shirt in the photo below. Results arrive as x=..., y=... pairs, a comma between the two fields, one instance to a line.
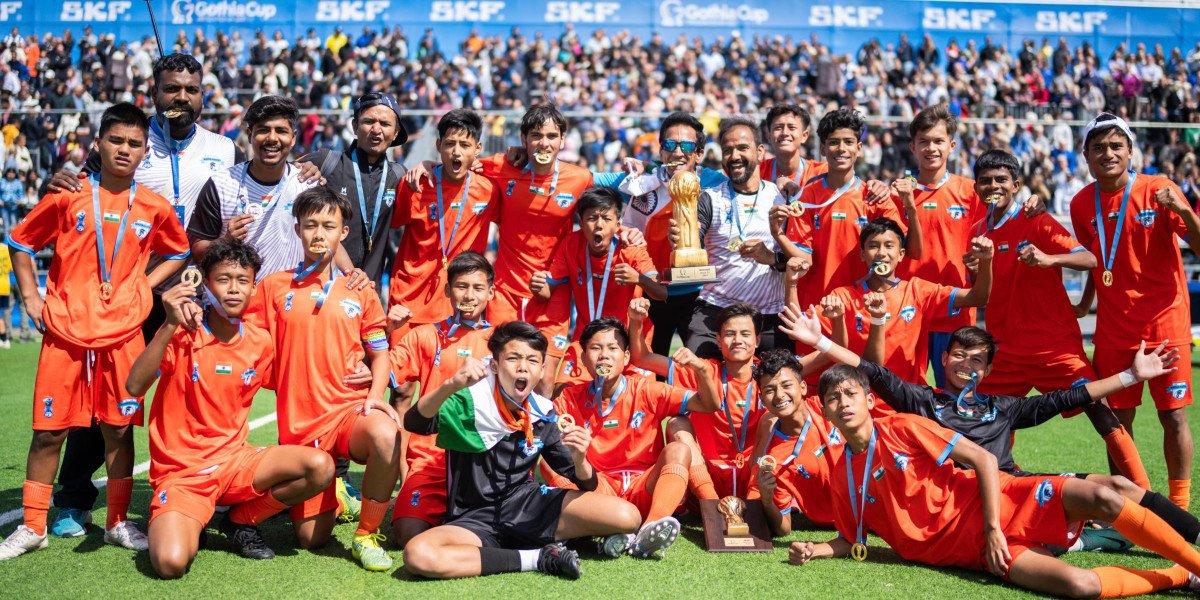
x=736, y=233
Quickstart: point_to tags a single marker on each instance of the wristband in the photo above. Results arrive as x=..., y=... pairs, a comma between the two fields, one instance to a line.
x=1127, y=378
x=881, y=321
x=824, y=344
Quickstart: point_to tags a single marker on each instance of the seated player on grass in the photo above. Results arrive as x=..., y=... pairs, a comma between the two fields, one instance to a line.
x=989, y=420
x=428, y=355
x=316, y=324
x=199, y=455
x=624, y=414
x=899, y=477
x=794, y=468
x=602, y=274
x=494, y=427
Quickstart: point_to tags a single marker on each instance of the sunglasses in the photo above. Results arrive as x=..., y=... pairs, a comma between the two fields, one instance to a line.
x=670, y=146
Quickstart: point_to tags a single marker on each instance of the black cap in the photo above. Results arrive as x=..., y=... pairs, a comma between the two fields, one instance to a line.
x=378, y=99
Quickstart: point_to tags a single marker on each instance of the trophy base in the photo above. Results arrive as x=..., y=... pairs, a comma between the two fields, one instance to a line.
x=716, y=539
x=737, y=530
x=679, y=276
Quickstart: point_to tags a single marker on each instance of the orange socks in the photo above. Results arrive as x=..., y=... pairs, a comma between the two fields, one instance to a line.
x=116, y=495
x=1180, y=492
x=371, y=516
x=1125, y=454
x=257, y=510
x=1149, y=531
x=35, y=497
x=668, y=491
x=701, y=482
x=1119, y=582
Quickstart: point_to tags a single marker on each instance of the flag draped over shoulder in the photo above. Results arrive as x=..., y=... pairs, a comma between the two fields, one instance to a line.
x=470, y=420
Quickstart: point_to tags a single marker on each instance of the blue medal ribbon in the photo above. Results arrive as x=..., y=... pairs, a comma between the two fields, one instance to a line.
x=735, y=216
x=452, y=324
x=960, y=404
x=934, y=187
x=596, y=304
x=173, y=150
x=738, y=442
x=858, y=502
x=537, y=189
x=1008, y=215
x=846, y=187
x=98, y=219
x=799, y=172
x=303, y=271
x=1109, y=254
x=799, y=439
x=362, y=200
x=443, y=241
x=596, y=389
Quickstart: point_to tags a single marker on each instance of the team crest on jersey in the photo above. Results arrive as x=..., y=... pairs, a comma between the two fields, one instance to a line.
x=48, y=407
x=835, y=438
x=1045, y=492
x=1146, y=217
x=79, y=217
x=645, y=204
x=512, y=183
x=560, y=341
x=389, y=197
x=129, y=407
x=1021, y=245
x=907, y=313
x=861, y=222
x=287, y=302
x=433, y=212
x=858, y=323
x=352, y=308
x=817, y=222
x=478, y=208
x=416, y=498
x=901, y=461
x=213, y=162
x=956, y=212
x=141, y=229
x=636, y=421
x=1177, y=390
x=162, y=497
x=146, y=161
x=248, y=375
x=564, y=200
x=195, y=372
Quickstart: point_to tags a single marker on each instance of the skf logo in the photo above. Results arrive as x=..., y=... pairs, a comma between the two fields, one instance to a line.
x=844, y=16
x=581, y=12
x=355, y=10
x=465, y=10
x=95, y=11
x=963, y=19
x=8, y=9
x=1068, y=21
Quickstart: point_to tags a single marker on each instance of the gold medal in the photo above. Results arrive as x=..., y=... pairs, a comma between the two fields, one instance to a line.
x=739, y=461
x=565, y=421
x=767, y=462
x=1107, y=277
x=173, y=113
x=796, y=209
x=734, y=243
x=858, y=551
x=191, y=277
x=994, y=198
x=106, y=291
x=603, y=370
x=881, y=269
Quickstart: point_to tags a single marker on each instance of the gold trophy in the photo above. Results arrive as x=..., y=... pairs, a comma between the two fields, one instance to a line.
x=734, y=511
x=689, y=262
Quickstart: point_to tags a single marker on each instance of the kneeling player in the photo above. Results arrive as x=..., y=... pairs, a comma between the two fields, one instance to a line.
x=493, y=428
x=199, y=456
x=899, y=484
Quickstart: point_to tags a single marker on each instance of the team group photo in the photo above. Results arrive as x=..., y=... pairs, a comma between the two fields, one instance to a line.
x=470, y=299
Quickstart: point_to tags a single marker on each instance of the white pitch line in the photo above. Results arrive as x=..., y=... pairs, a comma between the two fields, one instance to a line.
x=17, y=513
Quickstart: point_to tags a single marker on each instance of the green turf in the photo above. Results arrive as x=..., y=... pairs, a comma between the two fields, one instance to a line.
x=80, y=567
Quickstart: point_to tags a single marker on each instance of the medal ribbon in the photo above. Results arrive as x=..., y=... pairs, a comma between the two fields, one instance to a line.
x=173, y=150
x=1109, y=254
x=529, y=409
x=362, y=201
x=1011, y=213
x=594, y=311
x=452, y=323
x=738, y=442
x=934, y=187
x=849, y=185
x=799, y=439
x=536, y=189
x=859, y=505
x=596, y=388
x=959, y=402
x=735, y=209
x=799, y=172
x=444, y=242
x=303, y=271
x=98, y=218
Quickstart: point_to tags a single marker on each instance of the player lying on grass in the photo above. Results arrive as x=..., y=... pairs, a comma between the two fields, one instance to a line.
x=899, y=478
x=316, y=324
x=429, y=355
x=624, y=415
x=989, y=420
x=494, y=427
x=211, y=369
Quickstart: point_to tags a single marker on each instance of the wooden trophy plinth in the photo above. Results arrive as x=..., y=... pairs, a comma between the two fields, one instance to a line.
x=753, y=534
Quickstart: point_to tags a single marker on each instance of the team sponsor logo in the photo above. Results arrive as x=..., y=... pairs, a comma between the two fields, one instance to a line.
x=637, y=419
x=1146, y=217
x=907, y=313
x=1045, y=492
x=352, y=308
x=141, y=229
x=96, y=12
x=958, y=19
x=956, y=212
x=582, y=12
x=129, y=407
x=817, y=222
x=48, y=407
x=1177, y=390
x=468, y=11
x=1070, y=21
x=858, y=323
x=861, y=222
x=213, y=162
x=195, y=372
x=478, y=208
x=835, y=438
x=248, y=375
x=677, y=13
x=825, y=15
x=186, y=12
x=511, y=184
x=8, y=9
x=357, y=11
x=416, y=498
x=645, y=204
x=901, y=461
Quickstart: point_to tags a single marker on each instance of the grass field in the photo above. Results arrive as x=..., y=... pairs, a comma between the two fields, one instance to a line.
x=86, y=566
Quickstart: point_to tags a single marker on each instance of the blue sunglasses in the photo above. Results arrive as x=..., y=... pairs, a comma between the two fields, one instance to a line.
x=670, y=146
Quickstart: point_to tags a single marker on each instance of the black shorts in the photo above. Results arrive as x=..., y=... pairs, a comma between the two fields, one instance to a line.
x=527, y=519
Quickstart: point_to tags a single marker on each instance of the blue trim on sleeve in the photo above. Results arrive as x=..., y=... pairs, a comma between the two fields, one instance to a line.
x=651, y=273
x=392, y=383
x=558, y=281
x=178, y=256
x=786, y=511
x=611, y=179
x=954, y=311
x=1077, y=249
x=26, y=249
x=803, y=248
x=670, y=372
x=946, y=453
x=683, y=411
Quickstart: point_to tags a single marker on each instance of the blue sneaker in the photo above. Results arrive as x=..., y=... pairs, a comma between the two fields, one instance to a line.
x=71, y=522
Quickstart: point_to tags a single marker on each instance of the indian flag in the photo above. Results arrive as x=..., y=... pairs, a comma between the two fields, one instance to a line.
x=839, y=216
x=224, y=369
x=611, y=423
x=470, y=421
x=929, y=206
x=111, y=217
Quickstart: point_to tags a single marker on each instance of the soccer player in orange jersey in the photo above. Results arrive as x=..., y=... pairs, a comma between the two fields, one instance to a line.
x=624, y=414
x=798, y=443
x=428, y=355
x=97, y=295
x=199, y=455
x=1131, y=222
x=316, y=324
x=1040, y=348
x=899, y=479
x=787, y=127
x=445, y=219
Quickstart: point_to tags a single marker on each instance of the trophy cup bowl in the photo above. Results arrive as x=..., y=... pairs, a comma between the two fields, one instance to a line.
x=689, y=262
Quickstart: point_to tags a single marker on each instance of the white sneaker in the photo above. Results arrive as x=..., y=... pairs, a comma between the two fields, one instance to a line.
x=5, y=344
x=617, y=544
x=21, y=541
x=1193, y=582
x=655, y=537
x=126, y=535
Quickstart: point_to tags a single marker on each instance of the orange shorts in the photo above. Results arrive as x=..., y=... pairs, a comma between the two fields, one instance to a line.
x=1032, y=512
x=423, y=496
x=76, y=387
x=1170, y=391
x=337, y=443
x=552, y=316
x=1017, y=375
x=196, y=492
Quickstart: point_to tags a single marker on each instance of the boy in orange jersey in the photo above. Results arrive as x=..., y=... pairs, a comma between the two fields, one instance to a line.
x=624, y=415
x=787, y=127
x=603, y=275
x=798, y=447
x=199, y=456
x=316, y=325
x=1131, y=222
x=97, y=295
x=899, y=478
x=1040, y=348
x=428, y=355
x=833, y=213
x=445, y=219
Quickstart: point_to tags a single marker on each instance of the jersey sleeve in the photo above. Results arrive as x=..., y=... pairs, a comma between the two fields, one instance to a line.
x=922, y=435
x=1177, y=223
x=170, y=358
x=560, y=268
x=1080, y=221
x=1035, y=410
x=608, y=180
x=937, y=300
x=669, y=401
x=682, y=377
x=260, y=311
x=408, y=356
x=40, y=227
x=901, y=395
x=373, y=329
x=405, y=200
x=206, y=223
x=640, y=259
x=887, y=210
x=704, y=215
x=170, y=241
x=267, y=357
x=1053, y=238
x=492, y=166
